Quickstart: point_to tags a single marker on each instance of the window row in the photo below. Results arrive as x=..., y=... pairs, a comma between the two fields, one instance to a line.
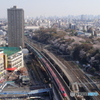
x=20, y=57
x=19, y=61
x=15, y=65
x=15, y=59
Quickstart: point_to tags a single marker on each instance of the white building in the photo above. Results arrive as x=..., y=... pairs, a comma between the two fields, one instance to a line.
x=14, y=58
x=33, y=28
x=2, y=70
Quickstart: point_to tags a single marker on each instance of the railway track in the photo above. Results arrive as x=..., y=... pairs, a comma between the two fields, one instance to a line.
x=88, y=85
x=77, y=77
x=35, y=67
x=83, y=81
x=30, y=74
x=61, y=79
x=34, y=71
x=78, y=74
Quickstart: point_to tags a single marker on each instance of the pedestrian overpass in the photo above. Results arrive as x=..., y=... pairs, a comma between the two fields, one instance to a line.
x=24, y=92
x=4, y=84
x=38, y=91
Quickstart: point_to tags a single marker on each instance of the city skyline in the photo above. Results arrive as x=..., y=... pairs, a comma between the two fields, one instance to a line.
x=52, y=7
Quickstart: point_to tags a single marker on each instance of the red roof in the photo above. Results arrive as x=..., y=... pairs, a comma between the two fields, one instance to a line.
x=11, y=69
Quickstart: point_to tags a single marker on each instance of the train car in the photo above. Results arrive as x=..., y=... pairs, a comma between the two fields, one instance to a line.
x=61, y=88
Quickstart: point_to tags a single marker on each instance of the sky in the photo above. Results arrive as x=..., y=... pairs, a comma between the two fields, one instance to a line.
x=36, y=8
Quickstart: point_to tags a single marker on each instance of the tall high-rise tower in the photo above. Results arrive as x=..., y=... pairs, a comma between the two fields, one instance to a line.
x=15, y=27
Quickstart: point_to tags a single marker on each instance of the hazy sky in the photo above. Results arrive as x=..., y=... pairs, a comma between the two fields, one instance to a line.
x=34, y=8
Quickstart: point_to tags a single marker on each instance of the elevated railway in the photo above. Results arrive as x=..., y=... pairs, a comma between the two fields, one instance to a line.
x=57, y=79
x=75, y=75
x=72, y=75
x=60, y=78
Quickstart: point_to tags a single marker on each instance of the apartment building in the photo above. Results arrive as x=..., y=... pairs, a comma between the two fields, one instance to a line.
x=14, y=58
x=15, y=27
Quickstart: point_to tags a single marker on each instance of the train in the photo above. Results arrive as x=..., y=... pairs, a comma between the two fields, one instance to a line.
x=60, y=86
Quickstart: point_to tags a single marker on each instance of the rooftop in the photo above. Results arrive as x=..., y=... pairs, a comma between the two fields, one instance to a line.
x=10, y=50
